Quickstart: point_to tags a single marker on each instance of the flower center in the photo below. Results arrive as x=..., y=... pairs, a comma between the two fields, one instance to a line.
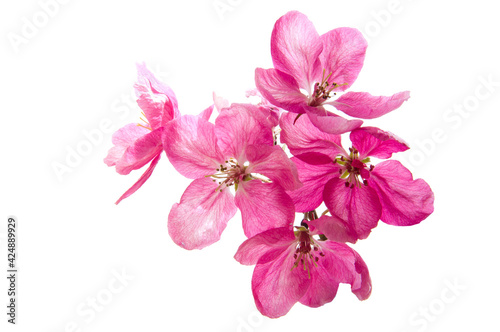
x=322, y=90
x=307, y=250
x=353, y=170
x=229, y=175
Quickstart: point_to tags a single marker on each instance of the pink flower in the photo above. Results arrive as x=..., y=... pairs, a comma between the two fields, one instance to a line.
x=297, y=266
x=310, y=69
x=137, y=144
x=237, y=152
x=352, y=189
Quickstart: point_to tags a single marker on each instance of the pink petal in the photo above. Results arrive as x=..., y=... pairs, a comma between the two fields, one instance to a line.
x=122, y=139
x=263, y=206
x=239, y=126
x=374, y=142
x=404, y=201
x=220, y=102
x=201, y=216
x=191, y=146
x=334, y=228
x=144, y=177
x=250, y=251
x=314, y=178
x=280, y=89
x=207, y=113
x=276, y=286
x=329, y=122
x=140, y=152
x=273, y=163
x=360, y=207
x=365, y=106
x=295, y=48
x=343, y=55
x=302, y=137
x=155, y=98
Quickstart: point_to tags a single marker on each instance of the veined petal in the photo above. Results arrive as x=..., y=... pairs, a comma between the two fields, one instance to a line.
x=302, y=137
x=343, y=55
x=280, y=89
x=146, y=80
x=191, y=146
x=122, y=139
x=329, y=122
x=334, y=228
x=144, y=177
x=140, y=152
x=360, y=207
x=365, y=106
x=272, y=162
x=207, y=113
x=201, y=216
x=250, y=251
x=374, y=142
x=404, y=201
x=263, y=206
x=276, y=286
x=295, y=48
x=239, y=126
x=314, y=178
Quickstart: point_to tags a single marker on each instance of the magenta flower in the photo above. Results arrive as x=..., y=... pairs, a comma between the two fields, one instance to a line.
x=351, y=188
x=296, y=266
x=137, y=144
x=310, y=69
x=237, y=152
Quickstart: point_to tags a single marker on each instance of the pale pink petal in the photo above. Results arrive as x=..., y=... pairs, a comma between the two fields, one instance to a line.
x=207, y=113
x=329, y=122
x=280, y=89
x=241, y=125
x=295, y=48
x=365, y=106
x=276, y=287
x=314, y=178
x=140, y=152
x=144, y=177
x=404, y=201
x=302, y=137
x=122, y=139
x=360, y=207
x=250, y=251
x=273, y=163
x=343, y=56
x=263, y=206
x=201, y=216
x=147, y=80
x=220, y=102
x=191, y=146
x=334, y=228
x=374, y=142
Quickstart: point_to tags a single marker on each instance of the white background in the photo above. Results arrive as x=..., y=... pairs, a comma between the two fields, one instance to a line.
x=78, y=69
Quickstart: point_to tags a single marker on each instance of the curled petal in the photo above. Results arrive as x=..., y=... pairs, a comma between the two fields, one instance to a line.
x=295, y=48
x=122, y=139
x=250, y=251
x=191, y=146
x=144, y=177
x=280, y=89
x=334, y=228
x=404, y=201
x=263, y=206
x=343, y=55
x=365, y=106
x=302, y=137
x=329, y=122
x=374, y=142
x=359, y=207
x=201, y=216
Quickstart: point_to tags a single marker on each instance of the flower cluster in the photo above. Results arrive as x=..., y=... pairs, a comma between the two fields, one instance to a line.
x=280, y=157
